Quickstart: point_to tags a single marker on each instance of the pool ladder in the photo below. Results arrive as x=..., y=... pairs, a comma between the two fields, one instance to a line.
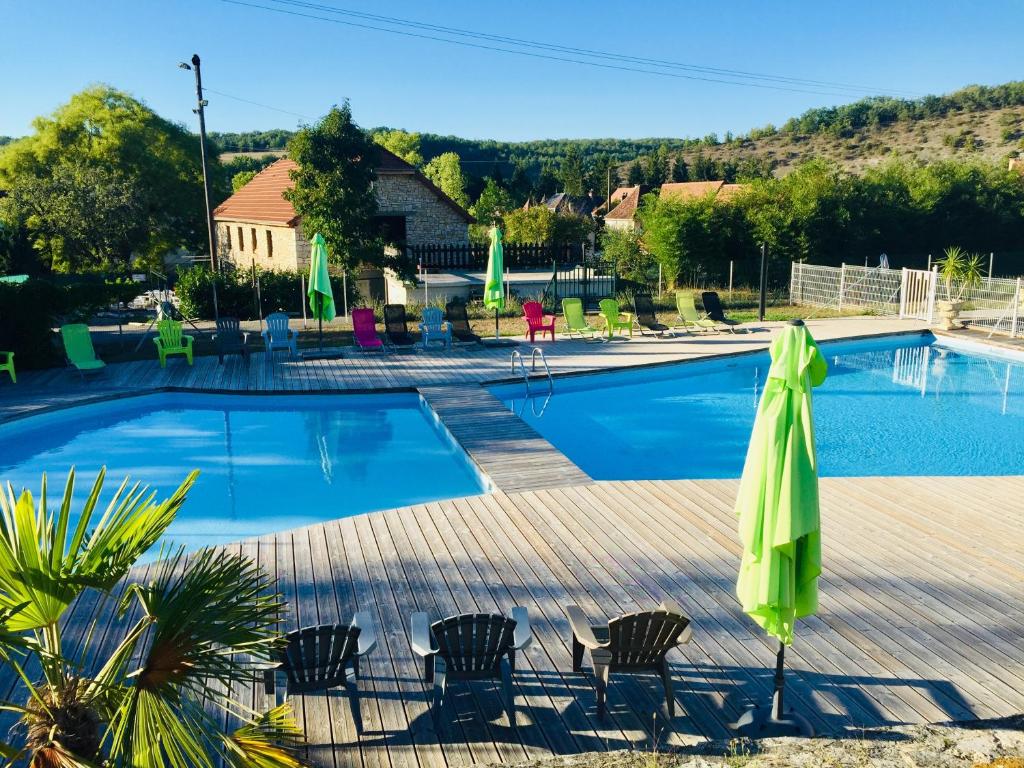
x=517, y=356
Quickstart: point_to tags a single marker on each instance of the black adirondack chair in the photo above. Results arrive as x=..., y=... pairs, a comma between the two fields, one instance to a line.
x=318, y=658
x=471, y=646
x=714, y=310
x=396, y=326
x=632, y=643
x=231, y=339
x=645, y=318
x=455, y=313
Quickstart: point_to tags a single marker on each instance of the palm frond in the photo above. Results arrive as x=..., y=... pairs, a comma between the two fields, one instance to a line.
x=270, y=741
x=155, y=730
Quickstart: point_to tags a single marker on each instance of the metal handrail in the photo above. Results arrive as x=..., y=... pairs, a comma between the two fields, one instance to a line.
x=517, y=355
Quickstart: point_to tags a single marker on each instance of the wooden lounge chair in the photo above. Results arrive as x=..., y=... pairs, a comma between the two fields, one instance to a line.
x=7, y=364
x=455, y=311
x=364, y=330
x=645, y=318
x=318, y=658
x=690, y=318
x=435, y=328
x=277, y=335
x=231, y=339
x=633, y=642
x=576, y=321
x=396, y=326
x=78, y=349
x=614, y=320
x=537, y=321
x=171, y=341
x=471, y=646
x=713, y=308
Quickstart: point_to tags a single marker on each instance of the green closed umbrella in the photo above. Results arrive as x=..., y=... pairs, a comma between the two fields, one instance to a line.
x=321, y=298
x=494, y=289
x=778, y=512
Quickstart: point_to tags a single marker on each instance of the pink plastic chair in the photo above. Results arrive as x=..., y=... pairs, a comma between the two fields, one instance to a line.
x=536, y=320
x=364, y=329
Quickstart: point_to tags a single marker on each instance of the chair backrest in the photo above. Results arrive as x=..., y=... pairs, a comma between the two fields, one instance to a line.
x=609, y=308
x=457, y=316
x=533, y=311
x=277, y=325
x=77, y=342
x=713, y=305
x=363, y=324
x=315, y=658
x=474, y=643
x=394, y=319
x=432, y=318
x=573, y=311
x=643, y=308
x=643, y=638
x=170, y=332
x=685, y=306
x=229, y=326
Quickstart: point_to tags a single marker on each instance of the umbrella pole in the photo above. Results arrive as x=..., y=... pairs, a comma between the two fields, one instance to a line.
x=780, y=683
x=320, y=317
x=765, y=723
x=496, y=334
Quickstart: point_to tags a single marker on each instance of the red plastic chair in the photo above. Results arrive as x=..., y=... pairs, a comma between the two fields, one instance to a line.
x=364, y=329
x=536, y=320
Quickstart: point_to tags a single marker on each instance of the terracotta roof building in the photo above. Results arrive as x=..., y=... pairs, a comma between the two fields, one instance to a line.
x=257, y=224
x=560, y=202
x=623, y=215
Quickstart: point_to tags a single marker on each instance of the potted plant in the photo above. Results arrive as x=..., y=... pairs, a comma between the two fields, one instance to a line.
x=959, y=271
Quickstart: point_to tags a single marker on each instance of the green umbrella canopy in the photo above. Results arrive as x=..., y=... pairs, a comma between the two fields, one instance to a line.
x=777, y=504
x=319, y=281
x=494, y=291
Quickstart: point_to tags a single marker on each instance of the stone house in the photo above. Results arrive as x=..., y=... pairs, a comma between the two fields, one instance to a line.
x=257, y=224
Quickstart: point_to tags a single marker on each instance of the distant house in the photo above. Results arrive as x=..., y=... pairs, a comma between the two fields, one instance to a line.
x=258, y=224
x=623, y=216
x=582, y=205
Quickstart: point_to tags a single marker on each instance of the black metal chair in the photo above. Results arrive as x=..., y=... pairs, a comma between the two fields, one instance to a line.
x=714, y=310
x=471, y=646
x=396, y=326
x=231, y=339
x=322, y=657
x=632, y=643
x=645, y=318
x=455, y=313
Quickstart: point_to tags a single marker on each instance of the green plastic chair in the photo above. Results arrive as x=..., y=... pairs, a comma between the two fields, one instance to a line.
x=78, y=349
x=614, y=320
x=7, y=364
x=576, y=321
x=172, y=341
x=689, y=315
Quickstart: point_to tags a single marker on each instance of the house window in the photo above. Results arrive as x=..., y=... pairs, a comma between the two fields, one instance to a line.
x=254, y=239
x=270, y=245
x=241, y=240
x=227, y=238
x=392, y=229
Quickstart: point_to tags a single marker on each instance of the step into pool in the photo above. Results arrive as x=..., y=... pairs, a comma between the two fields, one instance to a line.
x=899, y=405
x=267, y=463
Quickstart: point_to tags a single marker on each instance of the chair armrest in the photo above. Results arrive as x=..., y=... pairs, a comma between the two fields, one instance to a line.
x=293, y=334
x=524, y=633
x=421, y=327
x=188, y=340
x=265, y=333
x=421, y=643
x=367, y=636
x=245, y=337
x=581, y=628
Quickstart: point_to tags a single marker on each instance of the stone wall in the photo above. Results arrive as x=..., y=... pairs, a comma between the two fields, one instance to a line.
x=427, y=218
x=276, y=247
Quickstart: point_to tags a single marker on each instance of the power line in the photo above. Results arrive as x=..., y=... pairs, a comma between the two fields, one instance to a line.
x=255, y=103
x=587, y=51
x=564, y=59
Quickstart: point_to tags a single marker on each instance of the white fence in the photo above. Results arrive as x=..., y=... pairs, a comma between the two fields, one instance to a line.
x=993, y=304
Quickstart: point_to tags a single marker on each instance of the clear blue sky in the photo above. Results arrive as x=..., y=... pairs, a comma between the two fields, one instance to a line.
x=48, y=50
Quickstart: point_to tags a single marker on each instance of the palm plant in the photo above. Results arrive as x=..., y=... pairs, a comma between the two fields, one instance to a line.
x=161, y=697
x=960, y=271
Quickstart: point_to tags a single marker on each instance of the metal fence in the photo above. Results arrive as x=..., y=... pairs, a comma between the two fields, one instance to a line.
x=993, y=304
x=845, y=287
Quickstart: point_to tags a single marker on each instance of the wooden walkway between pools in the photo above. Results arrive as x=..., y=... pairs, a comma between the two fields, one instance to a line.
x=921, y=615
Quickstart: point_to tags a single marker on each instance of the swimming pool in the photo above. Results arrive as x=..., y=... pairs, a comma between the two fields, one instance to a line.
x=902, y=405
x=267, y=463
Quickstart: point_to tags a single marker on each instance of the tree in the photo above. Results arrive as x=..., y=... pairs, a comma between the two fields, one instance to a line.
x=107, y=132
x=571, y=172
x=601, y=169
x=445, y=171
x=704, y=168
x=241, y=178
x=402, y=143
x=632, y=260
x=680, y=170
x=163, y=694
x=494, y=200
x=333, y=188
x=635, y=174
x=540, y=224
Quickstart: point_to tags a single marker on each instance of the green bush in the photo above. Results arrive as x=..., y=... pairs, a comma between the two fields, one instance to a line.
x=27, y=317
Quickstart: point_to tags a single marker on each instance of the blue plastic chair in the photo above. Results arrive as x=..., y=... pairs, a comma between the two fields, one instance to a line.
x=278, y=335
x=434, y=327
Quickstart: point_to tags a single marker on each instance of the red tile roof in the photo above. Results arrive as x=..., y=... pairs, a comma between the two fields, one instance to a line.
x=689, y=190
x=628, y=203
x=262, y=200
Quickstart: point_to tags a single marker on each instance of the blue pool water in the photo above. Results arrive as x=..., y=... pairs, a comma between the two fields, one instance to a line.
x=894, y=406
x=267, y=463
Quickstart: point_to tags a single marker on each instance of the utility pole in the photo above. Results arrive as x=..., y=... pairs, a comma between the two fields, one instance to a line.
x=201, y=103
